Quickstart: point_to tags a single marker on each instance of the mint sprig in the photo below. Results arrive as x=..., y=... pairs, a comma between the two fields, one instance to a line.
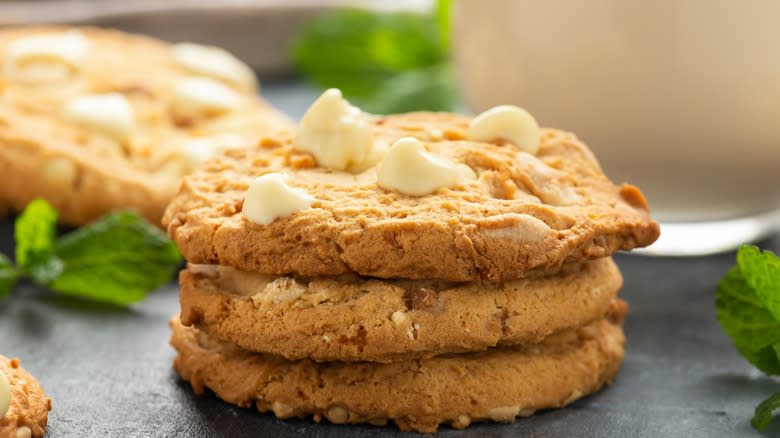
x=384, y=62
x=748, y=309
x=117, y=259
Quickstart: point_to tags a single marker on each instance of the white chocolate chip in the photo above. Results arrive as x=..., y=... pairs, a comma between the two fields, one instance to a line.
x=60, y=171
x=44, y=58
x=506, y=122
x=269, y=197
x=109, y=113
x=504, y=413
x=23, y=432
x=194, y=151
x=409, y=169
x=215, y=62
x=339, y=135
x=337, y=415
x=198, y=96
x=5, y=394
x=398, y=317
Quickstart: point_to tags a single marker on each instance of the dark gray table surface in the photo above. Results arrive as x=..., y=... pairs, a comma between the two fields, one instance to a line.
x=109, y=373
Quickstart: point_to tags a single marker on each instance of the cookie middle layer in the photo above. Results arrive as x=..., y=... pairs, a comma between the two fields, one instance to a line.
x=351, y=318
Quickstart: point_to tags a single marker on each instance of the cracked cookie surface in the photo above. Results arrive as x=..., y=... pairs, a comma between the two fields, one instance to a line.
x=28, y=411
x=351, y=318
x=523, y=212
x=497, y=385
x=86, y=169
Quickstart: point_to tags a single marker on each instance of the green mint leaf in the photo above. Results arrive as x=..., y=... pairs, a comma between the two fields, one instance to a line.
x=762, y=272
x=117, y=259
x=34, y=232
x=444, y=23
x=764, y=411
x=427, y=89
x=744, y=317
x=8, y=276
x=355, y=50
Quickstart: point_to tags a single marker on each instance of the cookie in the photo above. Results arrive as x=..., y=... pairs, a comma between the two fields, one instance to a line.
x=94, y=120
x=28, y=408
x=522, y=212
x=351, y=318
x=499, y=384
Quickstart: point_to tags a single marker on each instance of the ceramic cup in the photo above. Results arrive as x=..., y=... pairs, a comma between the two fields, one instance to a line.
x=680, y=97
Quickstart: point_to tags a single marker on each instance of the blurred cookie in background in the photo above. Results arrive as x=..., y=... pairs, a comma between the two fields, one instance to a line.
x=94, y=120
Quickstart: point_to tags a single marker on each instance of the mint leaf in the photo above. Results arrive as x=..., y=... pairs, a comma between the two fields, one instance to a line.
x=118, y=259
x=430, y=89
x=764, y=411
x=8, y=276
x=367, y=54
x=743, y=316
x=761, y=271
x=34, y=231
x=444, y=22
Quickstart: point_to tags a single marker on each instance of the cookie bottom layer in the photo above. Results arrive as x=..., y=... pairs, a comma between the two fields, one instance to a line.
x=29, y=408
x=499, y=384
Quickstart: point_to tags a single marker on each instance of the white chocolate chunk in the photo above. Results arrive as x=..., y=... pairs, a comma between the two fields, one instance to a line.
x=109, y=113
x=215, y=62
x=338, y=134
x=5, y=394
x=201, y=95
x=44, y=58
x=506, y=122
x=269, y=197
x=408, y=168
x=194, y=151
x=23, y=432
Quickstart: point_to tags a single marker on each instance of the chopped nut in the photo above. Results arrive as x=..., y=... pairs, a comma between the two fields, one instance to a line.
x=398, y=317
x=462, y=422
x=23, y=432
x=60, y=171
x=337, y=415
x=281, y=410
x=504, y=413
x=421, y=299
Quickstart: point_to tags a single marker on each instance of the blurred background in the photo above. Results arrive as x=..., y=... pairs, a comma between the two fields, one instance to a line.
x=257, y=31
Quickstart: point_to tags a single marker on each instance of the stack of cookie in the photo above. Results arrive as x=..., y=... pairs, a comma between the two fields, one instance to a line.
x=421, y=268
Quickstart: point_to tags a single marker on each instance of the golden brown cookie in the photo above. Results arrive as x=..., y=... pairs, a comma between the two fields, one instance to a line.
x=352, y=318
x=523, y=212
x=28, y=410
x=499, y=384
x=95, y=120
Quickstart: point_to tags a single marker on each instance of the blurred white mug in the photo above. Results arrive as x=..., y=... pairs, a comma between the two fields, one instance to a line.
x=680, y=97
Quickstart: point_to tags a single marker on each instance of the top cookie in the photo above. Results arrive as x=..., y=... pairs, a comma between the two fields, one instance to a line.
x=516, y=212
x=95, y=120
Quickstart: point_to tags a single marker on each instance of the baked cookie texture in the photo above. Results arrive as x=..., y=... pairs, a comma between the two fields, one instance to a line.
x=523, y=212
x=351, y=318
x=499, y=384
x=86, y=171
x=28, y=411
